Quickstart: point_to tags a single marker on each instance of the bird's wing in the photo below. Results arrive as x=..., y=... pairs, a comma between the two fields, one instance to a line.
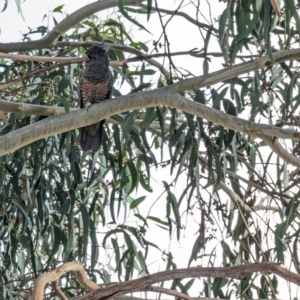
x=110, y=85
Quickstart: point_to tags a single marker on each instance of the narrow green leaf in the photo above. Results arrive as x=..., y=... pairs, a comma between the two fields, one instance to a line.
x=145, y=184
x=245, y=33
x=149, y=9
x=5, y=6
x=143, y=72
x=55, y=245
x=64, y=83
x=206, y=41
x=205, y=67
x=58, y=8
x=128, y=123
x=109, y=233
x=178, y=132
x=150, y=116
x=69, y=245
x=223, y=23
x=125, y=14
x=135, y=233
x=266, y=23
x=157, y=220
x=217, y=97
x=174, y=204
x=116, y=250
x=94, y=246
x=137, y=202
x=111, y=205
x=141, y=87
x=86, y=224
x=279, y=245
x=18, y=3
x=291, y=5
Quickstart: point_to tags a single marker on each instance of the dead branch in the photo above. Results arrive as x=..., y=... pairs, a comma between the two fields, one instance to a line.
x=54, y=275
x=59, y=293
x=145, y=283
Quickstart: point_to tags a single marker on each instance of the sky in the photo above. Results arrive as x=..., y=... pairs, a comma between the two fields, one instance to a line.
x=33, y=12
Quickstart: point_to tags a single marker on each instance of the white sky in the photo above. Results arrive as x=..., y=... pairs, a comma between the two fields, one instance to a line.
x=12, y=24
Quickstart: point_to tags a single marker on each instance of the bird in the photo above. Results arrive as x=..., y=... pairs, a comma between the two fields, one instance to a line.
x=95, y=85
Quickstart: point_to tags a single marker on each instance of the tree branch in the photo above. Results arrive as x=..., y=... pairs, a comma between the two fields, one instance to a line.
x=234, y=196
x=70, y=60
x=169, y=292
x=257, y=187
x=123, y=48
x=231, y=194
x=145, y=283
x=229, y=73
x=141, y=56
x=54, y=275
x=4, y=86
x=58, y=124
x=32, y=109
x=58, y=292
x=184, y=15
x=64, y=61
x=236, y=272
x=70, y=21
x=274, y=144
x=136, y=52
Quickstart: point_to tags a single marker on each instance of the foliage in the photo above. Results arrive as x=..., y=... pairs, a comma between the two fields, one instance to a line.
x=59, y=204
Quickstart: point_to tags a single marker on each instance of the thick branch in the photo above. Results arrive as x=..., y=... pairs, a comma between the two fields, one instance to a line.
x=40, y=58
x=54, y=275
x=58, y=124
x=32, y=109
x=237, y=70
x=236, y=272
x=173, y=293
x=274, y=144
x=58, y=292
x=145, y=283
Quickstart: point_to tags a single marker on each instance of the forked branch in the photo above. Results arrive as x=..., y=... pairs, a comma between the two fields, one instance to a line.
x=145, y=283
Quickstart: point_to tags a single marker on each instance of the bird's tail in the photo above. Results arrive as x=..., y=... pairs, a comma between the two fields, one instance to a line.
x=91, y=141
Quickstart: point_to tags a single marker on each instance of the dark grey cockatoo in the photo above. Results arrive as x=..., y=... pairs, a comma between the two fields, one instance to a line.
x=95, y=85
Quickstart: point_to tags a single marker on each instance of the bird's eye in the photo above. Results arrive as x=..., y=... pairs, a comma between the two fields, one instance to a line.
x=94, y=57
